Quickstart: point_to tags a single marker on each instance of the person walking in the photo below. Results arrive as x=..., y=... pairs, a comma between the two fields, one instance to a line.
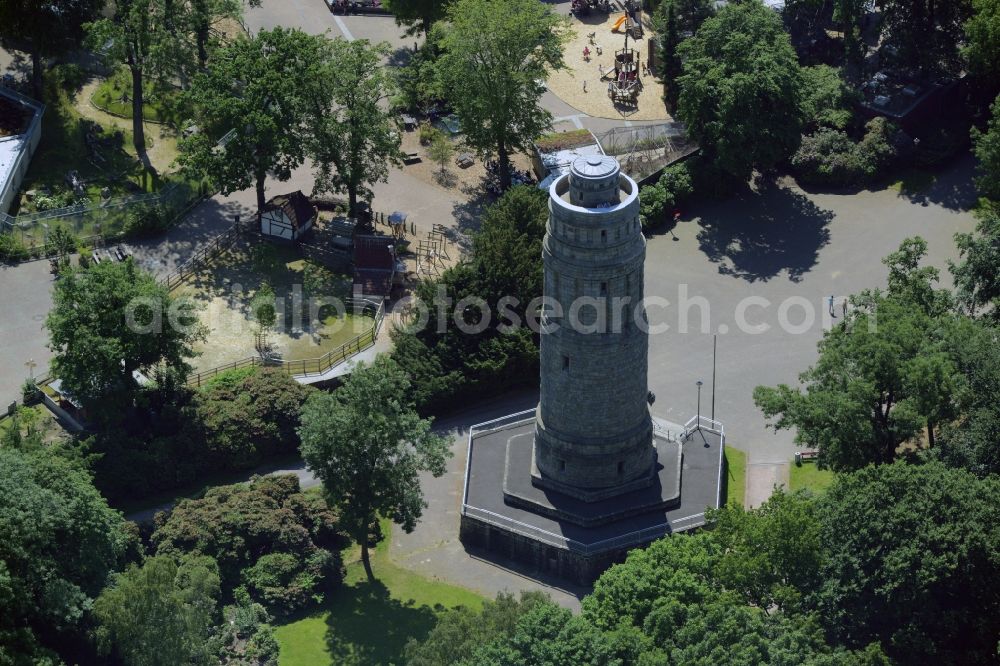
x=843, y=308
x=830, y=308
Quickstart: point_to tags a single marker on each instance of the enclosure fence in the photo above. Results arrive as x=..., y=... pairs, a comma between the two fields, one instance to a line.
x=97, y=223
x=309, y=367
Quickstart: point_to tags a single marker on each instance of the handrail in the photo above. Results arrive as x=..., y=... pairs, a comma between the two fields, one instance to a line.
x=633, y=538
x=322, y=363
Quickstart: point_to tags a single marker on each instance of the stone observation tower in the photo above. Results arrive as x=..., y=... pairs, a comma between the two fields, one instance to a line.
x=569, y=487
x=594, y=435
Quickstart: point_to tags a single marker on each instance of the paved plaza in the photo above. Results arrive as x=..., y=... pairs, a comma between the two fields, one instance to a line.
x=776, y=244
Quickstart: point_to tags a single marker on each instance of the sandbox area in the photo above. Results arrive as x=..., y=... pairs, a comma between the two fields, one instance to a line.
x=567, y=83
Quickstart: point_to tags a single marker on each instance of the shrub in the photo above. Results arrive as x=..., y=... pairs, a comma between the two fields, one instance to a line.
x=281, y=543
x=659, y=200
x=427, y=133
x=249, y=416
x=830, y=157
x=286, y=582
x=146, y=221
x=828, y=99
x=12, y=249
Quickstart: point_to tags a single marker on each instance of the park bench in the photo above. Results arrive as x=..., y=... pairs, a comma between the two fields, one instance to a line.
x=806, y=454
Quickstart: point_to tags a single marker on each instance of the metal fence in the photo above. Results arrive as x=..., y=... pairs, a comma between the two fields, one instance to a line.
x=106, y=221
x=309, y=367
x=631, y=539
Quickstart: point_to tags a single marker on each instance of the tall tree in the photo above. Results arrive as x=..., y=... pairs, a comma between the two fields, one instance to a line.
x=417, y=15
x=987, y=149
x=367, y=446
x=109, y=321
x=912, y=561
x=254, y=95
x=160, y=614
x=982, y=44
x=204, y=14
x=926, y=33
x=741, y=91
x=44, y=29
x=977, y=274
x=355, y=139
x=496, y=56
x=850, y=15
x=147, y=37
x=59, y=541
x=670, y=41
x=881, y=375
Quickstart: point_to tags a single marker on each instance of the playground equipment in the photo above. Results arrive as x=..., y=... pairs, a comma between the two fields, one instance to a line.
x=624, y=82
x=621, y=19
x=583, y=7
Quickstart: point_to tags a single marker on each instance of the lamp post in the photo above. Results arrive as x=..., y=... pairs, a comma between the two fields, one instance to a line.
x=698, y=417
x=30, y=363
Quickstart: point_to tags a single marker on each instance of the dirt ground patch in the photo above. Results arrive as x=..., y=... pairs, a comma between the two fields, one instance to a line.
x=568, y=83
x=225, y=288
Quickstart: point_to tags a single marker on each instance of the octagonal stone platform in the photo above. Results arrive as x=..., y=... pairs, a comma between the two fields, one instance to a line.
x=543, y=541
x=661, y=491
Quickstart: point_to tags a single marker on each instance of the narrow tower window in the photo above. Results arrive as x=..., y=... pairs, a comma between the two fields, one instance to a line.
x=565, y=362
x=604, y=235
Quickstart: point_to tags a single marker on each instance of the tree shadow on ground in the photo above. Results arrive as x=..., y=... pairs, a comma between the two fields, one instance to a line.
x=953, y=186
x=757, y=236
x=366, y=626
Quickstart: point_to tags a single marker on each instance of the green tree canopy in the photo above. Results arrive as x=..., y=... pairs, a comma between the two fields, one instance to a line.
x=354, y=138
x=925, y=33
x=110, y=320
x=44, y=29
x=987, y=149
x=675, y=20
x=912, y=560
x=149, y=38
x=741, y=92
x=982, y=43
x=461, y=631
x=496, y=56
x=59, y=541
x=367, y=446
x=417, y=15
x=160, y=614
x=977, y=273
x=254, y=93
x=882, y=374
x=444, y=362
x=253, y=529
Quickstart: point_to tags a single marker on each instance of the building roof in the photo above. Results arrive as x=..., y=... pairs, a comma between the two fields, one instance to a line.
x=295, y=205
x=374, y=252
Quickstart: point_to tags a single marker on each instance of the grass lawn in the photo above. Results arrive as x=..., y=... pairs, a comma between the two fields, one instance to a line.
x=228, y=284
x=736, y=470
x=809, y=476
x=39, y=417
x=369, y=623
x=157, y=104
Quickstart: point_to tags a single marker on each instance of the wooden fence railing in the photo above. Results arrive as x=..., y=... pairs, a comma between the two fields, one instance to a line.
x=309, y=366
x=213, y=248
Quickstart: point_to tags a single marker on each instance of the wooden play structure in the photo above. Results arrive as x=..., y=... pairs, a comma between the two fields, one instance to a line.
x=624, y=82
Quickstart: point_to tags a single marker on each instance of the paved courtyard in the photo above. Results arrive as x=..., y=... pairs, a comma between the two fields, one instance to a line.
x=777, y=244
